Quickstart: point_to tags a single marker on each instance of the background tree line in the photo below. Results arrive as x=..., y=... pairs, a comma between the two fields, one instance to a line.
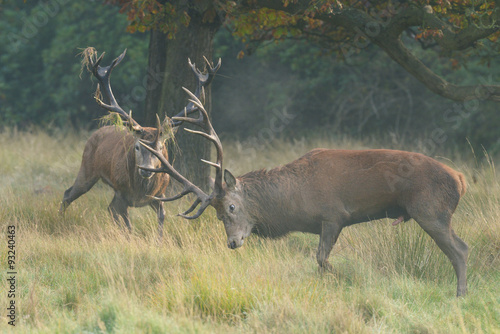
x=292, y=88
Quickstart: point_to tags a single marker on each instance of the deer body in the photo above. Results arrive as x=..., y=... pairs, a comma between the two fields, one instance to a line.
x=348, y=187
x=112, y=155
x=326, y=190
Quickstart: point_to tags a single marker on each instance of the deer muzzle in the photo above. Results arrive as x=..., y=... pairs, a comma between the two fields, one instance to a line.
x=145, y=173
x=234, y=243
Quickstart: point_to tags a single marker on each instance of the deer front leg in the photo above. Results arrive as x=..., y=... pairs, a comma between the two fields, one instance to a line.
x=160, y=211
x=329, y=234
x=119, y=208
x=81, y=186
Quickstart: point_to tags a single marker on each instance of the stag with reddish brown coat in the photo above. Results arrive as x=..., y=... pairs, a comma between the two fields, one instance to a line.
x=113, y=154
x=326, y=190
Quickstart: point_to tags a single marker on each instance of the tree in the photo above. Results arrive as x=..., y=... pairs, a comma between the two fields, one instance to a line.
x=457, y=27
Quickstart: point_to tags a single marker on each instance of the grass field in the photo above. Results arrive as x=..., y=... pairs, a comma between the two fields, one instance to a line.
x=82, y=273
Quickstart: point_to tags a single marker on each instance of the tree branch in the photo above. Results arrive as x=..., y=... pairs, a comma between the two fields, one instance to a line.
x=450, y=39
x=400, y=54
x=388, y=37
x=389, y=40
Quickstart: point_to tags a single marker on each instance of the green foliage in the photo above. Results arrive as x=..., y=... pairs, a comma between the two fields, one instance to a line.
x=165, y=16
x=39, y=76
x=254, y=21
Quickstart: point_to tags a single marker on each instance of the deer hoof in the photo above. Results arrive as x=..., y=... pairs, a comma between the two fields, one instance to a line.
x=325, y=267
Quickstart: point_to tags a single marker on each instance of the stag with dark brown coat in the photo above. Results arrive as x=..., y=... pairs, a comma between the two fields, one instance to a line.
x=113, y=154
x=326, y=190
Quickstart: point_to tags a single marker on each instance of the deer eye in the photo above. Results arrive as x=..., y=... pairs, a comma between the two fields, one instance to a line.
x=137, y=147
x=231, y=208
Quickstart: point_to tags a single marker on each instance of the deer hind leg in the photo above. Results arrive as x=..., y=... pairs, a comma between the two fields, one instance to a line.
x=80, y=187
x=119, y=208
x=455, y=248
x=328, y=237
x=160, y=211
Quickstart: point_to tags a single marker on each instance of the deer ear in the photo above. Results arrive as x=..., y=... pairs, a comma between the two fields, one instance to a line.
x=230, y=180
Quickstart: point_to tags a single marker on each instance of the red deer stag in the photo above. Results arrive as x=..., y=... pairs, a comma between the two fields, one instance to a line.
x=112, y=154
x=326, y=190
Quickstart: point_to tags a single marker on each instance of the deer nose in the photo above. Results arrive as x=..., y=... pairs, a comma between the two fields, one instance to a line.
x=232, y=244
x=145, y=174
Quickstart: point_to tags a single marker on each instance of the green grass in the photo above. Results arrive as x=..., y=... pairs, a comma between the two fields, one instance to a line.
x=82, y=273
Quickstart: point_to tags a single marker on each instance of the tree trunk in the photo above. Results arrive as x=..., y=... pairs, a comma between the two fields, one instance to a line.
x=156, y=73
x=168, y=60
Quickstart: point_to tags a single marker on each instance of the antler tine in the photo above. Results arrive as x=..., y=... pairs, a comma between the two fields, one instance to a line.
x=103, y=76
x=158, y=130
x=198, y=213
x=183, y=193
x=191, y=208
x=97, y=62
x=157, y=136
x=213, y=69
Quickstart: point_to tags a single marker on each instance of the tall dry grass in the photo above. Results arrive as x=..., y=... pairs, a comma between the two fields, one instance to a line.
x=82, y=273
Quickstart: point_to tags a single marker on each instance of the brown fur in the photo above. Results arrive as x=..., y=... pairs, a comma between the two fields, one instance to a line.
x=311, y=183
x=327, y=190
x=109, y=155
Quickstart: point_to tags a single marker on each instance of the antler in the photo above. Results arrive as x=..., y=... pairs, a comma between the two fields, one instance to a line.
x=157, y=136
x=203, y=121
x=103, y=74
x=203, y=80
x=202, y=199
